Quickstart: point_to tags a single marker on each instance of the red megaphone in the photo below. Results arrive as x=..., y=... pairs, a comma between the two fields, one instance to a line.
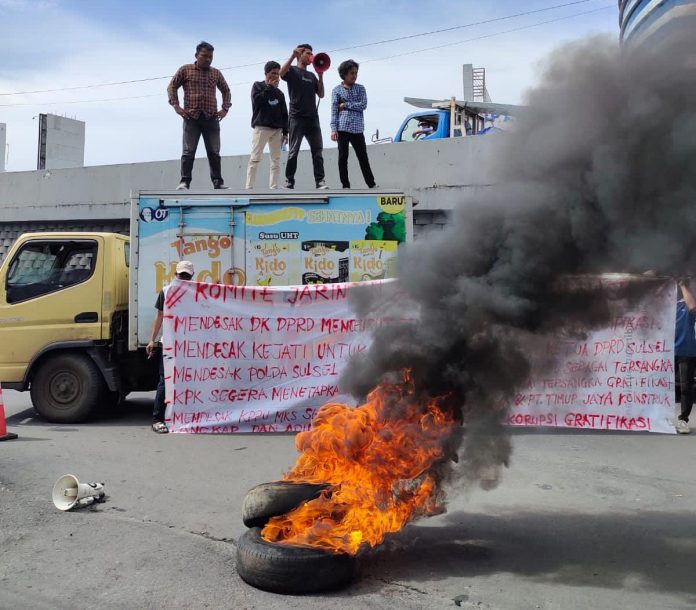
x=321, y=62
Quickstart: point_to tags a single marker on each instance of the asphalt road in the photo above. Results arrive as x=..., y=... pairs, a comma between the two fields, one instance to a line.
x=581, y=520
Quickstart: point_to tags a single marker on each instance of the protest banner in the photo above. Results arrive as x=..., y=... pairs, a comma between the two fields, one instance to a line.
x=264, y=359
x=618, y=377
x=258, y=359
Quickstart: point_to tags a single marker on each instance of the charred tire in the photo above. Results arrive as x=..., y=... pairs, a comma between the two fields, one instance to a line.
x=271, y=499
x=67, y=388
x=280, y=568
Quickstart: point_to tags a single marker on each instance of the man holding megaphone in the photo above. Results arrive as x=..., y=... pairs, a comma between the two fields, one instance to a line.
x=303, y=86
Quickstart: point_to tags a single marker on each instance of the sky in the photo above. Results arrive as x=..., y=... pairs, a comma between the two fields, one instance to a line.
x=57, y=44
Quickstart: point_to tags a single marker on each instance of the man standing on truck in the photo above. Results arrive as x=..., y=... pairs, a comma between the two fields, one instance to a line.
x=269, y=118
x=348, y=102
x=200, y=113
x=304, y=118
x=184, y=271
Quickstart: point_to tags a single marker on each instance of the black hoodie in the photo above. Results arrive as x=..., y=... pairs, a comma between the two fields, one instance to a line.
x=268, y=107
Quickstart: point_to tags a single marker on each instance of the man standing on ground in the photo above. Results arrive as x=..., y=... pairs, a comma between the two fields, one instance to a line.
x=685, y=354
x=184, y=271
x=269, y=118
x=303, y=86
x=200, y=113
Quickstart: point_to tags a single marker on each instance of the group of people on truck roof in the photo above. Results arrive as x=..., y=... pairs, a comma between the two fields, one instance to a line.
x=271, y=121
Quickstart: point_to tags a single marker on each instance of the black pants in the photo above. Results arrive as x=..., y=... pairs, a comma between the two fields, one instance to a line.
x=300, y=128
x=360, y=148
x=210, y=130
x=159, y=406
x=685, y=367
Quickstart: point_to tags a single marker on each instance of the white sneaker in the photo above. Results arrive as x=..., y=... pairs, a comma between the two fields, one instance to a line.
x=322, y=186
x=682, y=427
x=182, y=186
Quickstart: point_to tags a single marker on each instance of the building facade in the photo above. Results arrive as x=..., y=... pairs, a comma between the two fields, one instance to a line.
x=655, y=22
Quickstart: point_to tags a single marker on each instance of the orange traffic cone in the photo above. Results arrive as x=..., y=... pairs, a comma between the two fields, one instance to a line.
x=4, y=434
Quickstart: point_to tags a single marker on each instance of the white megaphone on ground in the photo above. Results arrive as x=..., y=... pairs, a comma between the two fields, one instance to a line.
x=68, y=492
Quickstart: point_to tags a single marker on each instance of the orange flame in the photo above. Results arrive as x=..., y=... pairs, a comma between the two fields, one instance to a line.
x=379, y=459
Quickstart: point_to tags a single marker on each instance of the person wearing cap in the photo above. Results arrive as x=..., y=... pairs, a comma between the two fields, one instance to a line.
x=184, y=271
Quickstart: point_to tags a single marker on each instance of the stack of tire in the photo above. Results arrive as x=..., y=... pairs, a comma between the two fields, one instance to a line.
x=282, y=568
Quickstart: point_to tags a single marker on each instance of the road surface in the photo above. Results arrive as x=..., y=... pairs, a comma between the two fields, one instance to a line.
x=580, y=520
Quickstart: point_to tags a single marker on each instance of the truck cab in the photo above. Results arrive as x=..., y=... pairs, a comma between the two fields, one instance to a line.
x=77, y=308
x=453, y=118
x=424, y=125
x=63, y=322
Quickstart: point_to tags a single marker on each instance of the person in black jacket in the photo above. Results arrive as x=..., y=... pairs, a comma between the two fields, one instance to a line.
x=269, y=118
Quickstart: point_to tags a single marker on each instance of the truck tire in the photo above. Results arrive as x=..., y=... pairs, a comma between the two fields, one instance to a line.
x=280, y=568
x=271, y=499
x=67, y=388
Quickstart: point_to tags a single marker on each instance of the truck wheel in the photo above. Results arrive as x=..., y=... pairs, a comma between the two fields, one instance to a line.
x=294, y=570
x=66, y=388
x=271, y=499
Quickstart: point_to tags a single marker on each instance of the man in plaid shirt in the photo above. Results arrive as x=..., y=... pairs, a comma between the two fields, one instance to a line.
x=200, y=113
x=348, y=101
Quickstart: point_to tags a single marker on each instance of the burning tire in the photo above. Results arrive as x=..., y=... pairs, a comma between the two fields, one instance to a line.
x=280, y=568
x=272, y=499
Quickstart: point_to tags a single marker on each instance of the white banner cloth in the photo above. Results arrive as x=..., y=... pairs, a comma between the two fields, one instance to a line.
x=257, y=359
x=619, y=377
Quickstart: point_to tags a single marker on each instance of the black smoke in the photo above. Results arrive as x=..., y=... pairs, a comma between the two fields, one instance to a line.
x=599, y=176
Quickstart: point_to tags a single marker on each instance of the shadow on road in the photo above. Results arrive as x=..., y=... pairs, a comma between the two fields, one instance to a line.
x=646, y=550
x=131, y=412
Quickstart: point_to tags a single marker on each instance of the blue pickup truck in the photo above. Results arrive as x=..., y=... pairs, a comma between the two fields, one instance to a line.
x=453, y=118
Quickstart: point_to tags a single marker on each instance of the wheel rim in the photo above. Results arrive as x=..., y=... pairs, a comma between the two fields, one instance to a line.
x=64, y=388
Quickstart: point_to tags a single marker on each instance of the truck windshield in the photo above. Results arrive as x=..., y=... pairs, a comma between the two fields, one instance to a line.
x=419, y=127
x=43, y=267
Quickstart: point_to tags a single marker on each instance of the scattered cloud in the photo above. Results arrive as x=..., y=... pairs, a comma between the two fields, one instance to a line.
x=64, y=45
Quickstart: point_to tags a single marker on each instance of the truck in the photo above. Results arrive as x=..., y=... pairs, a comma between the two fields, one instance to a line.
x=76, y=308
x=452, y=118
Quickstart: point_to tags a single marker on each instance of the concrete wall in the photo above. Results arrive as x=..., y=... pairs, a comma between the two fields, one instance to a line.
x=439, y=174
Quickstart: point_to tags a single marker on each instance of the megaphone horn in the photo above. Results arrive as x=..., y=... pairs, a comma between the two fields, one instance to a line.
x=321, y=62
x=68, y=492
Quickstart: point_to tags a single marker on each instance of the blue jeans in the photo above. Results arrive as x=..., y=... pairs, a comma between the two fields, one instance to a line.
x=158, y=412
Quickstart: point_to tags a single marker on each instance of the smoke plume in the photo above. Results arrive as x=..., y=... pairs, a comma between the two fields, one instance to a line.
x=599, y=176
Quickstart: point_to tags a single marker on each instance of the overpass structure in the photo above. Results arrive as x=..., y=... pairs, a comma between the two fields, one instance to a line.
x=439, y=174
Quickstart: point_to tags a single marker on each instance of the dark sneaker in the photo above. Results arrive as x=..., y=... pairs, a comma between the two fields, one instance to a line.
x=182, y=186
x=220, y=186
x=289, y=185
x=321, y=185
x=160, y=427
